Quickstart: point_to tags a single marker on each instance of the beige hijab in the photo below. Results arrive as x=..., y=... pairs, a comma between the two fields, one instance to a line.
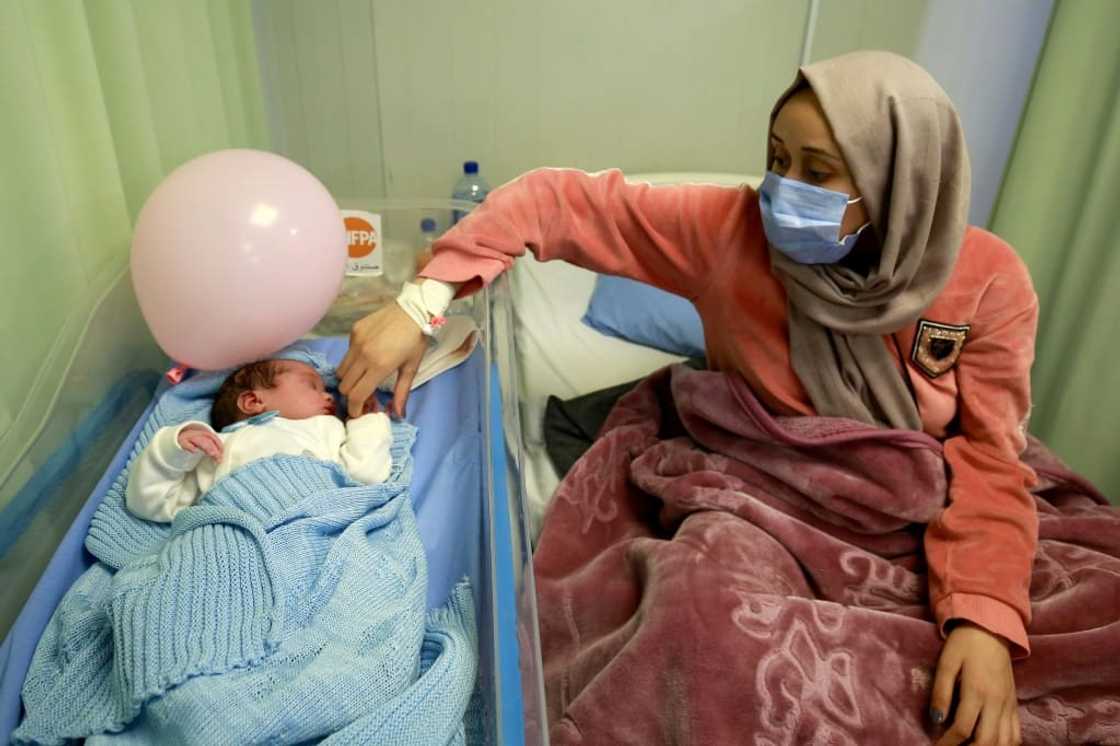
x=904, y=145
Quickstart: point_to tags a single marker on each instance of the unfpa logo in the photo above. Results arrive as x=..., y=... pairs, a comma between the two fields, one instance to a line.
x=362, y=237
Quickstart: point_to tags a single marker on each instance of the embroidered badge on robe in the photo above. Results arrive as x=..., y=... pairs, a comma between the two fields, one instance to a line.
x=937, y=347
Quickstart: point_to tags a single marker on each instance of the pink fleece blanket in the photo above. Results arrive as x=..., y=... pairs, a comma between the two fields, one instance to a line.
x=708, y=574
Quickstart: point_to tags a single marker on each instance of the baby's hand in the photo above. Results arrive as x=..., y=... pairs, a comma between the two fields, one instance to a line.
x=194, y=438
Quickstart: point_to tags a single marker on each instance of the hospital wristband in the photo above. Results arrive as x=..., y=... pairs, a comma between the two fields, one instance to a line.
x=426, y=302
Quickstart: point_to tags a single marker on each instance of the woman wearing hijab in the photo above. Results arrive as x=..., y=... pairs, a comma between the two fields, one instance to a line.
x=848, y=285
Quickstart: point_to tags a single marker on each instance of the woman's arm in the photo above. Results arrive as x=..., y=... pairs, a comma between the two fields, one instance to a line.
x=981, y=547
x=668, y=236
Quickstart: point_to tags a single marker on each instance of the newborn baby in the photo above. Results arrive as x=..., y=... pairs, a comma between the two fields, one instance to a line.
x=263, y=409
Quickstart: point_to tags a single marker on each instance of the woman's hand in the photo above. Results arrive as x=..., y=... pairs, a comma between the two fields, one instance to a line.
x=987, y=708
x=385, y=341
x=194, y=438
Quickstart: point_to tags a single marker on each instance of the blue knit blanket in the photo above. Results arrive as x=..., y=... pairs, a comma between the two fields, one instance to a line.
x=287, y=606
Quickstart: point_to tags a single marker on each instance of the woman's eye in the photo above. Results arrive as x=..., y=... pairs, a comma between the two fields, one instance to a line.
x=819, y=176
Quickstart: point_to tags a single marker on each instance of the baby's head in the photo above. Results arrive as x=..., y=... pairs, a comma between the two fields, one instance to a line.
x=294, y=389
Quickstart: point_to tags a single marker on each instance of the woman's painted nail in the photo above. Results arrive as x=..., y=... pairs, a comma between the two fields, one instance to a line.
x=937, y=716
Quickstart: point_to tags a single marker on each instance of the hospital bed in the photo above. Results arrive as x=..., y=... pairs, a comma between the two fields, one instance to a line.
x=558, y=355
x=466, y=493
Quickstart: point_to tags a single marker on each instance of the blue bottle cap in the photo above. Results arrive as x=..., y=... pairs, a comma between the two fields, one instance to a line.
x=470, y=167
x=427, y=225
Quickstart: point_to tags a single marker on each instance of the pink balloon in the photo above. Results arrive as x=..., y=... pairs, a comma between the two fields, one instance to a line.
x=235, y=255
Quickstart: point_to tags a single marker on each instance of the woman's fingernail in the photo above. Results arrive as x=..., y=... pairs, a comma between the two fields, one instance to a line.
x=937, y=716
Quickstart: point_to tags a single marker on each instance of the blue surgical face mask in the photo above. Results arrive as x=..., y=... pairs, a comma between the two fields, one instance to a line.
x=803, y=221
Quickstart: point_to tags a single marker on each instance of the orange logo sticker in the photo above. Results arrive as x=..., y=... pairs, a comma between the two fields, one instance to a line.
x=362, y=237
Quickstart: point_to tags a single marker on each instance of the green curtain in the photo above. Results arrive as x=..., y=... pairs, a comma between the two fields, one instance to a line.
x=1060, y=208
x=101, y=99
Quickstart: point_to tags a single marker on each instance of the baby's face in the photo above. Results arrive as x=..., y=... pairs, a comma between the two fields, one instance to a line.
x=299, y=392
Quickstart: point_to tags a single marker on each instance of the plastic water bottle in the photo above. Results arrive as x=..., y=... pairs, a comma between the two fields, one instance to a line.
x=428, y=234
x=470, y=188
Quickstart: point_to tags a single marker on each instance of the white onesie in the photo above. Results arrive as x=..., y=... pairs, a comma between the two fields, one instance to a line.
x=165, y=478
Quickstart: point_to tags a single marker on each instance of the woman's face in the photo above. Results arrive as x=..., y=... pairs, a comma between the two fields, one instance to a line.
x=804, y=150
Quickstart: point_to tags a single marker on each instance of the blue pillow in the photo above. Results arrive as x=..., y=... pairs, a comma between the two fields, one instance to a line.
x=645, y=315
